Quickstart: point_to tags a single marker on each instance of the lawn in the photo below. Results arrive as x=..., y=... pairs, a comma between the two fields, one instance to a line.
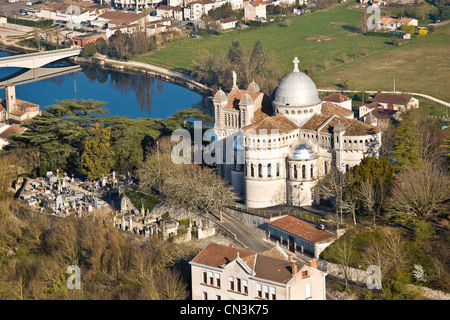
x=283, y=42
x=422, y=66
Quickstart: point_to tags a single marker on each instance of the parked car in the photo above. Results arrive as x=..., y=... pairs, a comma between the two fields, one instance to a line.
x=29, y=4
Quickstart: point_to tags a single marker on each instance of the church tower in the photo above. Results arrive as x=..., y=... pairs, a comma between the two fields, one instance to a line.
x=10, y=94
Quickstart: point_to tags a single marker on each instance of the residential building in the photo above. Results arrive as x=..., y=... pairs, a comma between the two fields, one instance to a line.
x=131, y=4
x=227, y=23
x=390, y=23
x=227, y=273
x=82, y=11
x=299, y=236
x=254, y=10
x=339, y=99
x=380, y=117
x=236, y=4
x=400, y=102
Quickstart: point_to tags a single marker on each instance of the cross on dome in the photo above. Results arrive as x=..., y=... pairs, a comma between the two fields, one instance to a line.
x=296, y=62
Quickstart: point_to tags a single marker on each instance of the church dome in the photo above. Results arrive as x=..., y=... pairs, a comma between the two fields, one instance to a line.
x=296, y=89
x=220, y=96
x=253, y=87
x=303, y=152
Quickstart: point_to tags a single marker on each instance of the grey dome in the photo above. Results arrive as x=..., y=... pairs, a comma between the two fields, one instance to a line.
x=220, y=96
x=296, y=89
x=253, y=87
x=303, y=152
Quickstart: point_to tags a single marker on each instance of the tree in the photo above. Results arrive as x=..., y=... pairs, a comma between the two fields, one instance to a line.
x=419, y=191
x=90, y=49
x=332, y=186
x=96, y=159
x=361, y=25
x=406, y=149
x=370, y=184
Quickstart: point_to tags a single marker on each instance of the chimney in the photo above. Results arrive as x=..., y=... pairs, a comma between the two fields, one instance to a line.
x=313, y=264
x=290, y=259
x=231, y=245
x=294, y=269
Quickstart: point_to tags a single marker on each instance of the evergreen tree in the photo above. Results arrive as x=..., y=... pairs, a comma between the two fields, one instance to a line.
x=406, y=150
x=97, y=159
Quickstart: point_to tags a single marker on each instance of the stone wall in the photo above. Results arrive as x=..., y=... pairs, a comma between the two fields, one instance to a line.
x=254, y=222
x=356, y=275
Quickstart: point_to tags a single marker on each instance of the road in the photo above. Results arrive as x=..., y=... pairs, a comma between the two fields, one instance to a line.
x=244, y=234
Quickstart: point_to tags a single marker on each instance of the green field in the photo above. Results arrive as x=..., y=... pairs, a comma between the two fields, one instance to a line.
x=283, y=42
x=418, y=65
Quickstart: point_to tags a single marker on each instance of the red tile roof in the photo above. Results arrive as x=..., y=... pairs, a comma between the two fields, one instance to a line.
x=266, y=265
x=336, y=97
x=302, y=229
x=329, y=109
x=235, y=96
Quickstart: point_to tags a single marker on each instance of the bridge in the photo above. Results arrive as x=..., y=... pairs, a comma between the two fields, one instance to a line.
x=27, y=76
x=38, y=59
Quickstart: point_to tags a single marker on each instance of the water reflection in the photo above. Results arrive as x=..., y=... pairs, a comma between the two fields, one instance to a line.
x=126, y=94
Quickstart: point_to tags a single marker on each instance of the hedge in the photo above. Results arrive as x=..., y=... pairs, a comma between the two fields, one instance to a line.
x=384, y=34
x=29, y=23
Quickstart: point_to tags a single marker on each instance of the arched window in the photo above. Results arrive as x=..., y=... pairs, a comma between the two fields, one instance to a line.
x=269, y=170
x=312, y=171
x=295, y=171
x=325, y=166
x=260, y=170
x=304, y=172
x=347, y=167
x=252, y=170
x=278, y=169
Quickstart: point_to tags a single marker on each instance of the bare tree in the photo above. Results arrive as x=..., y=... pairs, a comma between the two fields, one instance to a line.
x=418, y=192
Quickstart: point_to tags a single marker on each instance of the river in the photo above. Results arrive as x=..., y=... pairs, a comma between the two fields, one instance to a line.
x=126, y=94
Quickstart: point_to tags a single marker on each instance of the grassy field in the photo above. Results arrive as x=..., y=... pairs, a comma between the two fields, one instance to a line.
x=283, y=42
x=419, y=65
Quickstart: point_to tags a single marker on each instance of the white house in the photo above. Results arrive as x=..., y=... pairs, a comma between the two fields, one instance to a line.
x=227, y=273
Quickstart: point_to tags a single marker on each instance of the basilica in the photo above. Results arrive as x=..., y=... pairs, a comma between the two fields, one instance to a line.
x=279, y=148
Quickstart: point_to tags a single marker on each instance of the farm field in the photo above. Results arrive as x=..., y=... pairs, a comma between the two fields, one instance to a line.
x=337, y=25
x=420, y=66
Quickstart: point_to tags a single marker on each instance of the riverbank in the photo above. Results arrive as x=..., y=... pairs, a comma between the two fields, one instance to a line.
x=151, y=70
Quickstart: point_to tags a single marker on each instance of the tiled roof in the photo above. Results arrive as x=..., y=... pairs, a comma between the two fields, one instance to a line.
x=392, y=98
x=125, y=18
x=263, y=112
x=226, y=20
x=372, y=105
x=265, y=264
x=278, y=123
x=383, y=114
x=12, y=129
x=302, y=229
x=235, y=96
x=352, y=127
x=336, y=97
x=329, y=109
